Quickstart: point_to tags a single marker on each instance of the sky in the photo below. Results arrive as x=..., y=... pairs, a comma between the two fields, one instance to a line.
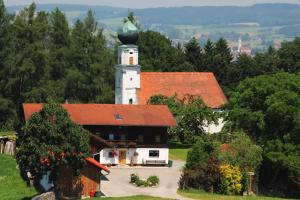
x=150, y=3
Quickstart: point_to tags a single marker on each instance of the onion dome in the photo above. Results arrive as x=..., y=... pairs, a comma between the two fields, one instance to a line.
x=128, y=34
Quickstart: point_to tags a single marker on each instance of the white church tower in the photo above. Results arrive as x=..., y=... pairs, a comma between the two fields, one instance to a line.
x=128, y=69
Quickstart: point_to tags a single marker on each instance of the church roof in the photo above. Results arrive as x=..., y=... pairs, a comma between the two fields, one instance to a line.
x=203, y=84
x=113, y=114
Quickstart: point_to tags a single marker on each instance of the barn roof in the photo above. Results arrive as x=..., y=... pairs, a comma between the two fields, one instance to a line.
x=113, y=114
x=203, y=84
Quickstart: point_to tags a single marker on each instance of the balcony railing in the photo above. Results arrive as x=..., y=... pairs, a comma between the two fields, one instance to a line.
x=122, y=143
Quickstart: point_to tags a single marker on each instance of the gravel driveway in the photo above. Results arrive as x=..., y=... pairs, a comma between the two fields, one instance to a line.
x=116, y=184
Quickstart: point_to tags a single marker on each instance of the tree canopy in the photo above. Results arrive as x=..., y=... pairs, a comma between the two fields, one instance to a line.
x=51, y=140
x=191, y=115
x=268, y=109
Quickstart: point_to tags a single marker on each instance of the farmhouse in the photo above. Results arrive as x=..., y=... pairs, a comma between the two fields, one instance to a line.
x=130, y=131
x=122, y=134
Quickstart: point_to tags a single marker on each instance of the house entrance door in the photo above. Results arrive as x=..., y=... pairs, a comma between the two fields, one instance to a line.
x=122, y=157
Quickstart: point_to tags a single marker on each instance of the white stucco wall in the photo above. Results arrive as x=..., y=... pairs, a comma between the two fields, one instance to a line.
x=127, y=51
x=214, y=128
x=104, y=159
x=143, y=155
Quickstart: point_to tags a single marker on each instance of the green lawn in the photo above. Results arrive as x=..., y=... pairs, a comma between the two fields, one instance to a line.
x=139, y=197
x=196, y=194
x=6, y=133
x=12, y=186
x=180, y=154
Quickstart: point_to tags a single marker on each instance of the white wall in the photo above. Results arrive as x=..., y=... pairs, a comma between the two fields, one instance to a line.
x=127, y=51
x=126, y=84
x=214, y=128
x=104, y=159
x=143, y=155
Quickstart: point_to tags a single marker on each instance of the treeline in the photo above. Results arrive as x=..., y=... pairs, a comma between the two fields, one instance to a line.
x=264, y=14
x=42, y=57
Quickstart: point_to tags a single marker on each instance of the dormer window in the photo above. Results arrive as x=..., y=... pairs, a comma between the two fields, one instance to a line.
x=118, y=117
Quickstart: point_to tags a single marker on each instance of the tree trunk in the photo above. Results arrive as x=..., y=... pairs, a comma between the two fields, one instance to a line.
x=67, y=185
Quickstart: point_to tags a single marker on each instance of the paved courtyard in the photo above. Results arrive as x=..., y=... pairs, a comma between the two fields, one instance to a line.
x=116, y=184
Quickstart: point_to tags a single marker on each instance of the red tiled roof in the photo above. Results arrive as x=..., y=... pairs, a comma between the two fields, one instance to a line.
x=95, y=163
x=105, y=114
x=203, y=84
x=224, y=147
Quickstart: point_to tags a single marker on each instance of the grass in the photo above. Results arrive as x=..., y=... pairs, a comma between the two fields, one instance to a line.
x=139, y=197
x=196, y=194
x=12, y=186
x=178, y=154
x=6, y=133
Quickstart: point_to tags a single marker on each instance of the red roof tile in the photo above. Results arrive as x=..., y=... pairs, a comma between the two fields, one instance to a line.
x=95, y=163
x=105, y=114
x=201, y=84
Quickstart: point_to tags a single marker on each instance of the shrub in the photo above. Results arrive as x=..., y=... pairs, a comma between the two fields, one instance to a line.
x=232, y=177
x=153, y=180
x=134, y=178
x=245, y=181
x=201, y=176
x=200, y=152
x=140, y=183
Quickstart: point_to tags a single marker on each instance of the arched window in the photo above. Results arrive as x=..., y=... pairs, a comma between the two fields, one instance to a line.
x=130, y=101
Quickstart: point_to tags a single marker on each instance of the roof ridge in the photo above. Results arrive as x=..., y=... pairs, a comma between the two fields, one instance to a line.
x=99, y=104
x=176, y=72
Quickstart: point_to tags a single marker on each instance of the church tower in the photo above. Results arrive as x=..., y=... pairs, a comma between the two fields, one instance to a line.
x=128, y=69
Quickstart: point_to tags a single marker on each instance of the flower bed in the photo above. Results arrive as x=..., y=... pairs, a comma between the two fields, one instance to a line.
x=151, y=181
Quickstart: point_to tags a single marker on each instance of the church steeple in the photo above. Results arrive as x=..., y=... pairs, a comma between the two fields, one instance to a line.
x=128, y=69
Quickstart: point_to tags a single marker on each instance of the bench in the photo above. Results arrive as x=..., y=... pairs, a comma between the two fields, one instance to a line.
x=156, y=162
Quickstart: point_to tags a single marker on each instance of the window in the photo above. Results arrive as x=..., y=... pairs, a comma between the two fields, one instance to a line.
x=131, y=52
x=153, y=153
x=97, y=157
x=111, y=136
x=157, y=138
x=130, y=60
x=110, y=154
x=141, y=138
x=123, y=137
x=130, y=101
x=118, y=116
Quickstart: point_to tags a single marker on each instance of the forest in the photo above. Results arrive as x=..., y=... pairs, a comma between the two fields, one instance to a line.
x=42, y=57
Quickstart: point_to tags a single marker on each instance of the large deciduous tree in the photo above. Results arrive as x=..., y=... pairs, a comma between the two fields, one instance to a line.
x=191, y=115
x=51, y=141
x=268, y=109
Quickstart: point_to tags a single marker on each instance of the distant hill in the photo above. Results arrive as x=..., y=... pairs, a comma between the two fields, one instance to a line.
x=263, y=14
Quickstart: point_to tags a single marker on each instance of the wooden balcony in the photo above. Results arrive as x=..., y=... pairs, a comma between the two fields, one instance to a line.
x=122, y=143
